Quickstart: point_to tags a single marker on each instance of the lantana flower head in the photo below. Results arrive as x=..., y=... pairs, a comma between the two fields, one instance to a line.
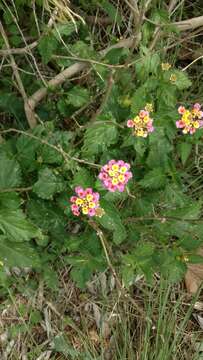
x=115, y=175
x=142, y=124
x=86, y=202
x=191, y=120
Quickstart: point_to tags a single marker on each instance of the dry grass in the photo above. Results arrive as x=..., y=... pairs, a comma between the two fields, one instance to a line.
x=38, y=323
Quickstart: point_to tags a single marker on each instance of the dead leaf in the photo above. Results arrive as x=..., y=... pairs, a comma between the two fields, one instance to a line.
x=97, y=315
x=194, y=275
x=199, y=319
x=94, y=337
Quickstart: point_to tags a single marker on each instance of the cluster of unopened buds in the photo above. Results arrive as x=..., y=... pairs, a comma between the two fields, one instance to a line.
x=191, y=120
x=115, y=175
x=142, y=124
x=86, y=202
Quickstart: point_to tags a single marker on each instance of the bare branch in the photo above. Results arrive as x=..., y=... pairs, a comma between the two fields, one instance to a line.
x=59, y=79
x=18, y=51
x=32, y=102
x=105, y=98
x=189, y=24
x=31, y=119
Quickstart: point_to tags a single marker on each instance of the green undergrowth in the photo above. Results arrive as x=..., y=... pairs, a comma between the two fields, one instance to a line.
x=154, y=227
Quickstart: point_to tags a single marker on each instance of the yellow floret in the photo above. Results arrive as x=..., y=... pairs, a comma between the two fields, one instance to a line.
x=89, y=197
x=115, y=181
x=149, y=107
x=136, y=119
x=79, y=201
x=85, y=210
x=146, y=119
x=123, y=169
x=91, y=205
x=194, y=112
x=111, y=173
x=196, y=124
x=165, y=66
x=121, y=178
x=185, y=131
x=173, y=78
x=115, y=167
x=140, y=133
x=187, y=121
x=187, y=115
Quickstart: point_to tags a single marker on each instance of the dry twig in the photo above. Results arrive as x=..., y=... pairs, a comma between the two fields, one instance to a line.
x=31, y=120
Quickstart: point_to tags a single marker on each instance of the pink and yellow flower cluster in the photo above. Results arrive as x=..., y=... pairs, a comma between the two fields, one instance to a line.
x=142, y=124
x=115, y=175
x=86, y=202
x=191, y=120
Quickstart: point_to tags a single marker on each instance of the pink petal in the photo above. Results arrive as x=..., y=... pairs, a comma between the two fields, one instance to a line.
x=88, y=191
x=74, y=207
x=121, y=187
x=91, y=212
x=197, y=106
x=112, y=162
x=96, y=196
x=181, y=109
x=130, y=123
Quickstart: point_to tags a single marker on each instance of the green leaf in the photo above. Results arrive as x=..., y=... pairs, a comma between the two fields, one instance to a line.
x=111, y=10
x=48, y=217
x=63, y=346
x=191, y=211
x=18, y=254
x=143, y=251
x=47, y=46
x=98, y=138
x=27, y=147
x=10, y=173
x=83, y=178
x=63, y=29
x=192, y=238
x=182, y=82
x=184, y=150
x=119, y=234
x=111, y=220
x=35, y=317
x=166, y=93
x=140, y=145
x=84, y=266
x=128, y=275
x=195, y=259
x=147, y=64
x=48, y=155
x=154, y=179
x=9, y=200
x=48, y=184
x=50, y=278
x=12, y=104
x=78, y=96
x=57, y=138
x=83, y=50
x=16, y=227
x=114, y=56
x=138, y=100
x=81, y=275
x=171, y=268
